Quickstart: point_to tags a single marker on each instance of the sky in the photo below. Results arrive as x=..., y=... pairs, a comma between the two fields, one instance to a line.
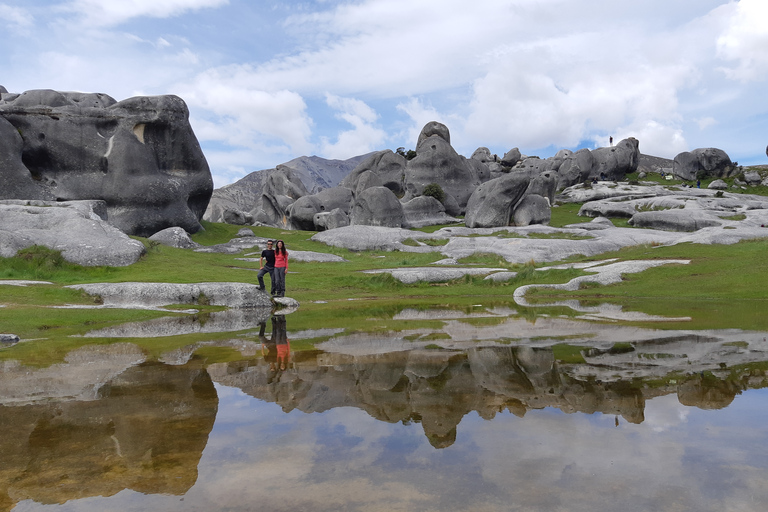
x=269, y=81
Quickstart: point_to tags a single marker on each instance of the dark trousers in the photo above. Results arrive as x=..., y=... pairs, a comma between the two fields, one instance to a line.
x=260, y=276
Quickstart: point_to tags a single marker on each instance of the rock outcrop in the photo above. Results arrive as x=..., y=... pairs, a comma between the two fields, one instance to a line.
x=140, y=156
x=703, y=163
x=76, y=228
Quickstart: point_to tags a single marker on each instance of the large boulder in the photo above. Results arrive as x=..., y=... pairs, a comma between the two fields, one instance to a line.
x=437, y=162
x=492, y=203
x=575, y=168
x=387, y=166
x=140, y=156
x=336, y=218
x=702, y=163
x=301, y=214
x=615, y=162
x=532, y=209
x=76, y=228
x=281, y=189
x=425, y=211
x=511, y=158
x=377, y=206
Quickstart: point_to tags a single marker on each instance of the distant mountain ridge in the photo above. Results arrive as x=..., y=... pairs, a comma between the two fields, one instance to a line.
x=314, y=172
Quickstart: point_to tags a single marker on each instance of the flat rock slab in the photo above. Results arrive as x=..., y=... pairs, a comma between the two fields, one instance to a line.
x=432, y=274
x=233, y=295
x=21, y=282
x=74, y=228
x=308, y=256
x=604, y=274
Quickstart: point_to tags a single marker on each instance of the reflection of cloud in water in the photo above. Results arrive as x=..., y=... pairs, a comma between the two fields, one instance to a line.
x=219, y=321
x=664, y=413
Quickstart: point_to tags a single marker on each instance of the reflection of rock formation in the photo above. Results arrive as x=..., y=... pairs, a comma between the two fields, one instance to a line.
x=219, y=321
x=146, y=431
x=434, y=388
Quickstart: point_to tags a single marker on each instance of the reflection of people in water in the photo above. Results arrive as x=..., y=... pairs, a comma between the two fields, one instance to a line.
x=268, y=347
x=280, y=338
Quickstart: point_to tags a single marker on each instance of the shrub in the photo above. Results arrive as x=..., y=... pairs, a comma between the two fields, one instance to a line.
x=434, y=190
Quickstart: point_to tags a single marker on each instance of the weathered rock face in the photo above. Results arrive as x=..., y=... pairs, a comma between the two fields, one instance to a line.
x=425, y=211
x=377, y=206
x=139, y=155
x=702, y=163
x=613, y=163
x=75, y=228
x=387, y=166
x=575, y=168
x=301, y=214
x=532, y=209
x=281, y=189
x=437, y=162
x=511, y=158
x=492, y=203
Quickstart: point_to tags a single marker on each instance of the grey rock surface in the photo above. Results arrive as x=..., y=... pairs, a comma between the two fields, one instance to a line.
x=532, y=209
x=718, y=185
x=437, y=162
x=233, y=295
x=703, y=163
x=140, y=156
x=433, y=274
x=492, y=203
x=336, y=218
x=425, y=211
x=377, y=206
x=301, y=214
x=314, y=174
x=615, y=162
x=674, y=220
x=72, y=227
x=175, y=237
x=383, y=168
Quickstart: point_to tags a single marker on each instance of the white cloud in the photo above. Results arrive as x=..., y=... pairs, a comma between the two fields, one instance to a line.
x=746, y=41
x=363, y=138
x=99, y=12
x=244, y=113
x=15, y=17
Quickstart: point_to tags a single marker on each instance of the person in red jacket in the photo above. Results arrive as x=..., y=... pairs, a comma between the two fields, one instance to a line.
x=281, y=267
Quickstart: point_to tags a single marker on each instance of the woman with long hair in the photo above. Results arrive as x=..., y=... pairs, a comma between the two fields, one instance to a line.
x=281, y=267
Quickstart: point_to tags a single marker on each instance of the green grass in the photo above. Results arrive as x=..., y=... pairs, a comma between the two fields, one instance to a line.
x=721, y=288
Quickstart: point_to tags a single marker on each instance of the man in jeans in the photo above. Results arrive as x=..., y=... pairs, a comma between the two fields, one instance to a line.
x=267, y=268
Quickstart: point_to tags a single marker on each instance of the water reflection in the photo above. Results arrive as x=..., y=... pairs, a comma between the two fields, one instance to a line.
x=470, y=419
x=145, y=430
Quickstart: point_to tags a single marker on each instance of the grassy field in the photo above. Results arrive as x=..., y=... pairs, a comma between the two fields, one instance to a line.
x=722, y=287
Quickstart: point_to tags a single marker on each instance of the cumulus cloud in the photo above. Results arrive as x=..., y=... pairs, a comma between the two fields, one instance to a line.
x=103, y=13
x=246, y=113
x=363, y=138
x=745, y=41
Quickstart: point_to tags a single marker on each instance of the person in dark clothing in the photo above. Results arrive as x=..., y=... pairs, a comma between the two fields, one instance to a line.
x=267, y=254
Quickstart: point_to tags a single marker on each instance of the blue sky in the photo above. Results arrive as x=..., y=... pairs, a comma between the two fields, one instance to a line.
x=269, y=81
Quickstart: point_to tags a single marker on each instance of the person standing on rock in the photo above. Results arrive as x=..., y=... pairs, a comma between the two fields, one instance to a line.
x=267, y=254
x=281, y=267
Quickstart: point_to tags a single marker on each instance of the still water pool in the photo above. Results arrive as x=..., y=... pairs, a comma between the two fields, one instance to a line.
x=511, y=414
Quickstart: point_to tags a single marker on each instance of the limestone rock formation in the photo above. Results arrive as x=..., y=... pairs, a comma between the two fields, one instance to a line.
x=76, y=228
x=437, y=162
x=281, y=189
x=377, y=206
x=138, y=155
x=388, y=168
x=301, y=214
x=492, y=203
x=615, y=162
x=703, y=163
x=425, y=211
